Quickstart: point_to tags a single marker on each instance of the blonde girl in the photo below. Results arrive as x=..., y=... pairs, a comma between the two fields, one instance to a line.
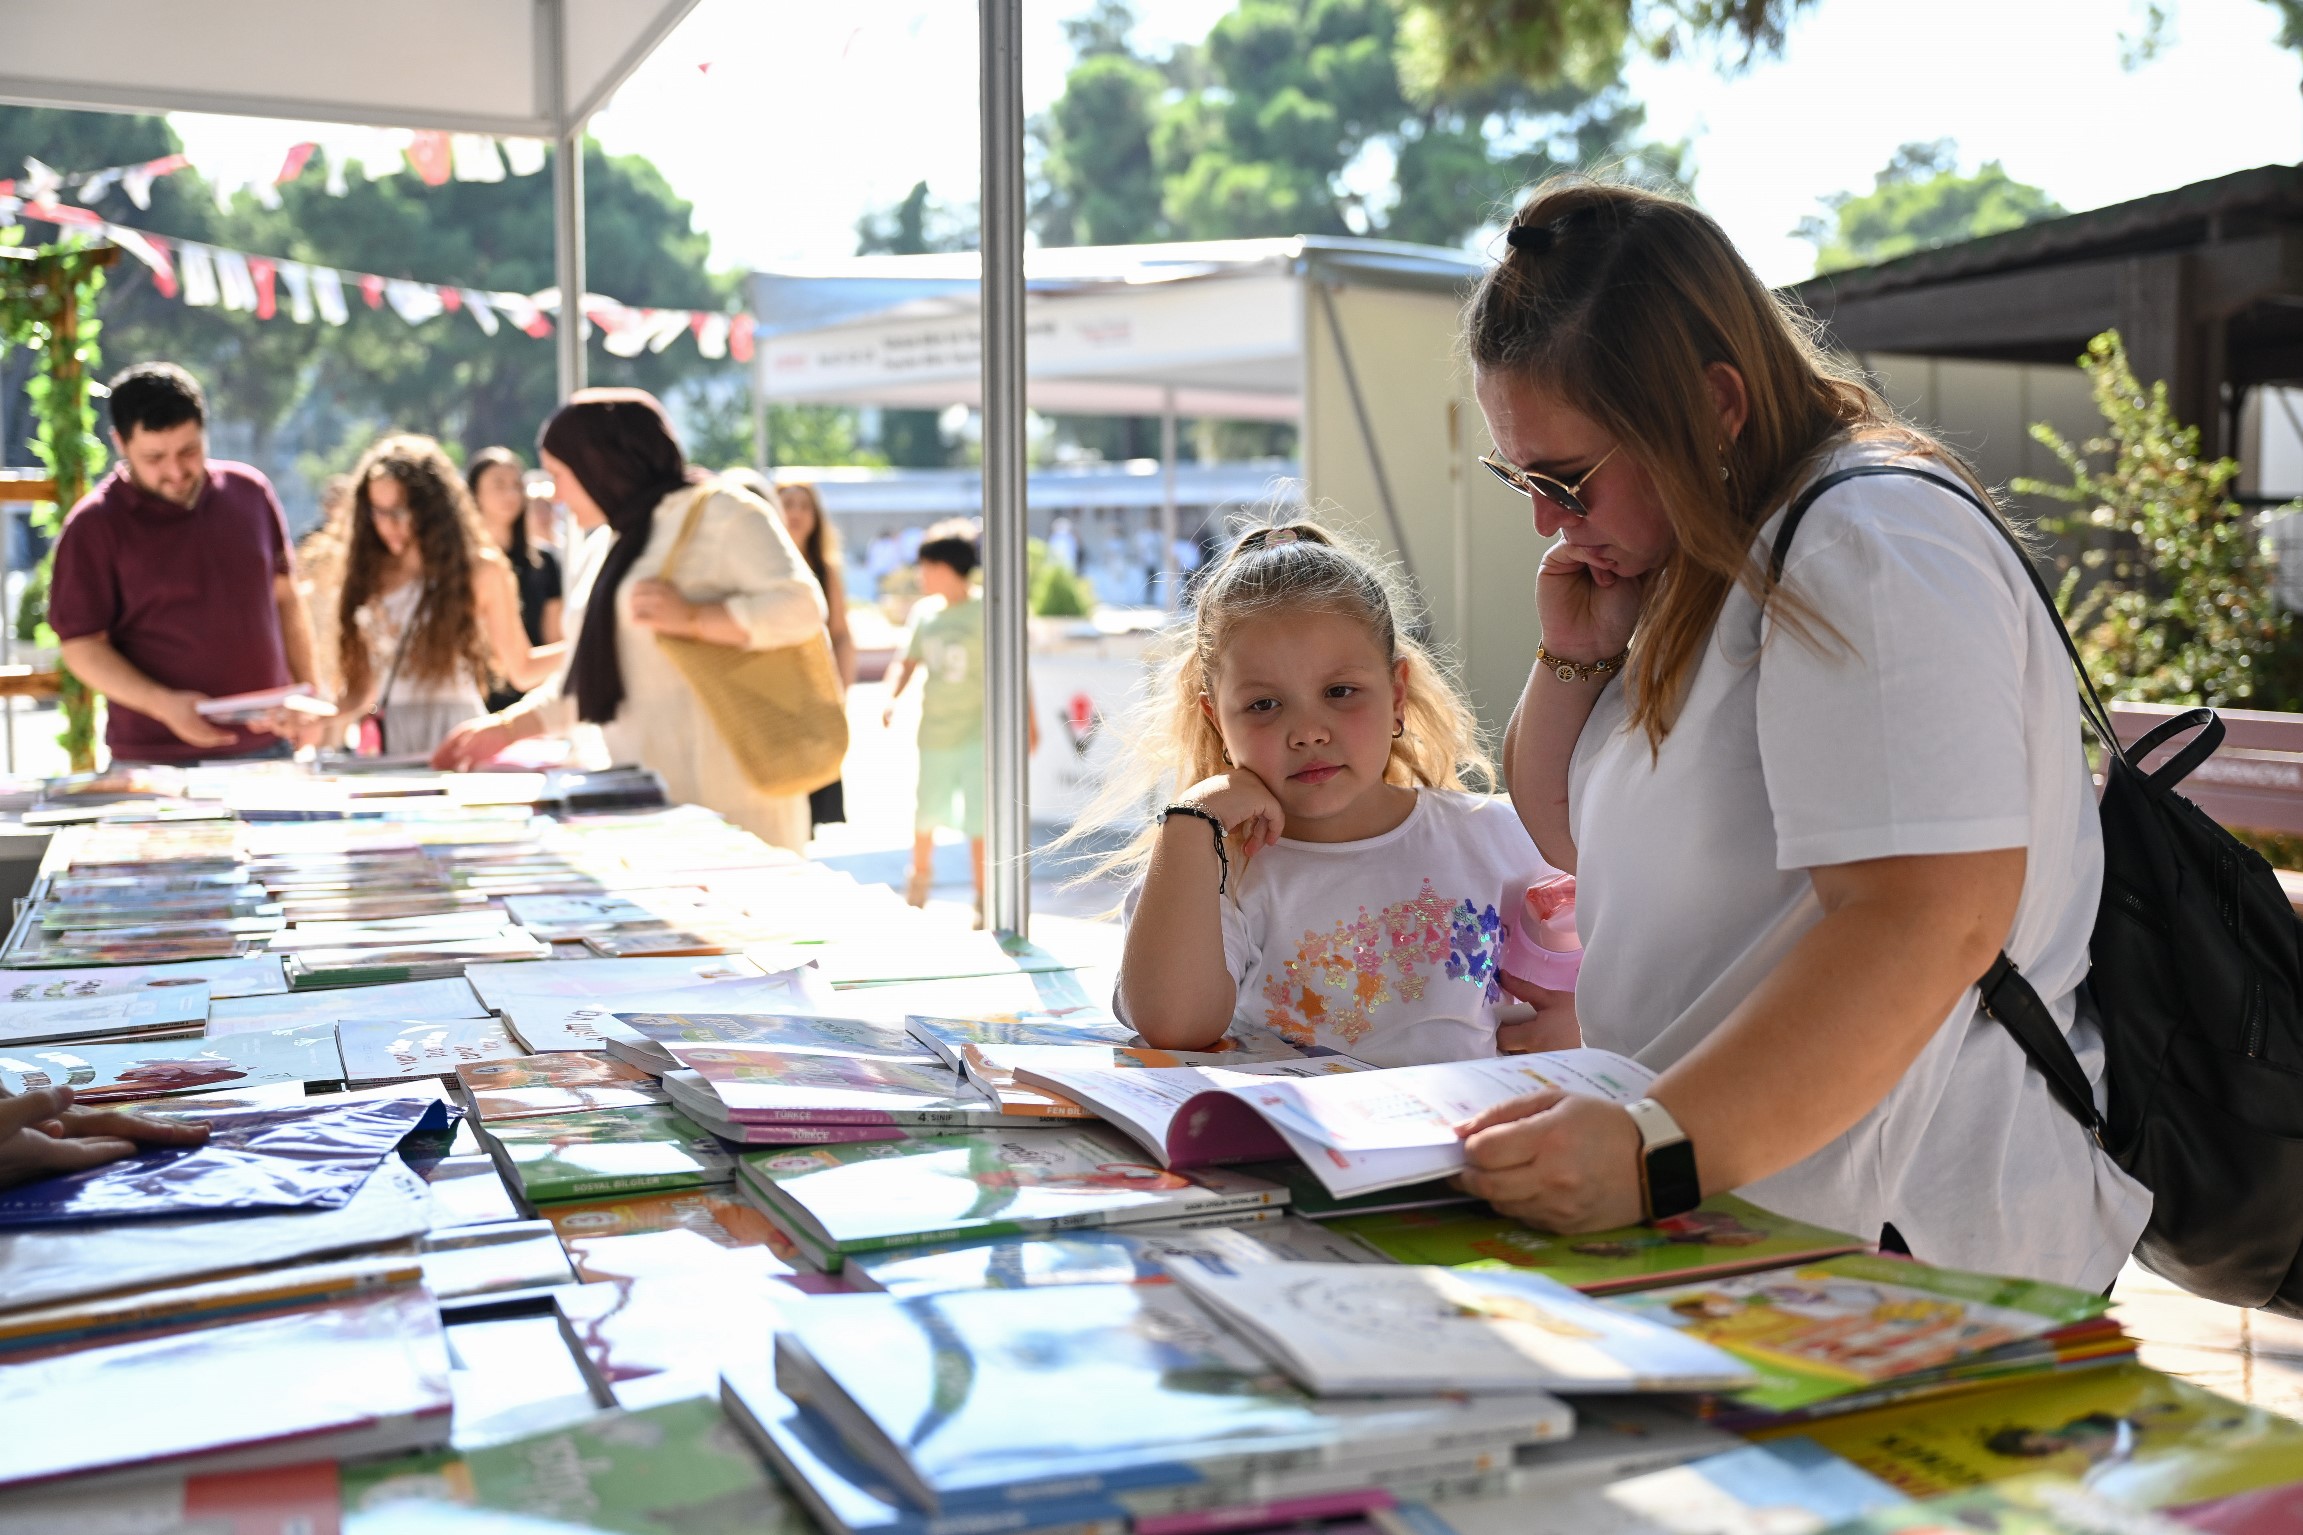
x=1323, y=870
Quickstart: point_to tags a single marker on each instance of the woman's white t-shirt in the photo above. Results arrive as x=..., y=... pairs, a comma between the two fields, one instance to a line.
x=1383, y=948
x=1946, y=722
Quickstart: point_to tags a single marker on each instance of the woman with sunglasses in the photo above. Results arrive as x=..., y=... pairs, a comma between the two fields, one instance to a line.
x=1806, y=814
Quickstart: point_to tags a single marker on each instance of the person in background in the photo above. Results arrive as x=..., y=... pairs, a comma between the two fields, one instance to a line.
x=499, y=486
x=803, y=513
x=616, y=461
x=174, y=583
x=429, y=607
x=947, y=642
x=43, y=1135
x=320, y=576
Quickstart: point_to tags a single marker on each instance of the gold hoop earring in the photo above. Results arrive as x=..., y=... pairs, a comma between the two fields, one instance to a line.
x=1398, y=728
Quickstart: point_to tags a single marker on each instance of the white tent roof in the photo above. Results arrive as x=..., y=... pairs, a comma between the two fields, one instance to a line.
x=475, y=66
x=1110, y=330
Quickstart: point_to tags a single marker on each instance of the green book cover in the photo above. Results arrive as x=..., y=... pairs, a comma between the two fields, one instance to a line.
x=1847, y=1324
x=864, y=1196
x=607, y=1151
x=679, y=1469
x=1724, y=1235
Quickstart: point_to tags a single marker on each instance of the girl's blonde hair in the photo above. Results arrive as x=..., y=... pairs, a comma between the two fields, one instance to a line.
x=1168, y=742
x=1616, y=299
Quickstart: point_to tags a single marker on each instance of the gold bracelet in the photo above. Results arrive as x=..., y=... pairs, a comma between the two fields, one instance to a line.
x=1579, y=671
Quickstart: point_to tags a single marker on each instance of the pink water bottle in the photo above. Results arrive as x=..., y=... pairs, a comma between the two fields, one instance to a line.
x=1540, y=945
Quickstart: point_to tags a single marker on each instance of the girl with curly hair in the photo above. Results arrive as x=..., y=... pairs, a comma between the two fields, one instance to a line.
x=429, y=609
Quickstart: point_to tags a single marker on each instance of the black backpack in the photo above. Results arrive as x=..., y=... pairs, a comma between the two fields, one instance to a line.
x=2197, y=970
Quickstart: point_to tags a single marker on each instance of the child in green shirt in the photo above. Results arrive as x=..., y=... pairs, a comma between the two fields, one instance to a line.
x=948, y=646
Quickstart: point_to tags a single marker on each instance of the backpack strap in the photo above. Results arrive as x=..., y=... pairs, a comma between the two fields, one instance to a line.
x=2006, y=995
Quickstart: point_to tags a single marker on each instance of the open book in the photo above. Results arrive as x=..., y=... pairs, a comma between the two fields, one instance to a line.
x=1359, y=1129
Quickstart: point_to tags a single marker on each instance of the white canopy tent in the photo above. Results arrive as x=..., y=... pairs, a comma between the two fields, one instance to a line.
x=524, y=68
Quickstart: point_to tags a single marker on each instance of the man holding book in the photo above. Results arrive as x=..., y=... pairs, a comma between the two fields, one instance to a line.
x=174, y=583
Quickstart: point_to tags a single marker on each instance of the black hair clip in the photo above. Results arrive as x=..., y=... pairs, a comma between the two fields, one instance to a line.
x=1532, y=238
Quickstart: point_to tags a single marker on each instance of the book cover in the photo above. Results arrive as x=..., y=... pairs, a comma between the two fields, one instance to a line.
x=656, y=943
x=1725, y=1235
x=313, y=1156
x=772, y=1086
x=146, y=1011
x=1038, y=1026
x=1310, y=1198
x=989, y=1396
x=990, y=997
x=41, y=1265
x=984, y=1183
x=364, y=1375
x=993, y=1067
x=783, y=1033
x=566, y=1082
x=681, y=1466
x=100, y=1073
x=288, y=1500
x=387, y=1050
x=447, y=997
x=663, y=1337
x=1781, y=1488
x=608, y=1151
x=2043, y=1505
x=715, y=1214
x=1385, y=1329
x=587, y=979
x=671, y=1254
x=257, y=975
x=1829, y=1328
x=2128, y=1433
x=485, y=1260
x=572, y=1019
x=700, y=1101
x=1138, y=1254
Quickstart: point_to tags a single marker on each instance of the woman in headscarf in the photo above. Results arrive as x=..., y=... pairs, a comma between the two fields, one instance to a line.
x=740, y=583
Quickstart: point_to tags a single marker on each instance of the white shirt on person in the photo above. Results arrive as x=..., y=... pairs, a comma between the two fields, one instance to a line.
x=1382, y=948
x=1946, y=722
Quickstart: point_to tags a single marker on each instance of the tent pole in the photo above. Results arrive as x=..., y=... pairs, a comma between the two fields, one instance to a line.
x=1007, y=873
x=568, y=254
x=1169, y=595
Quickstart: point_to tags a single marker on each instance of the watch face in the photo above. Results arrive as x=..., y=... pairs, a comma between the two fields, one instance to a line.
x=1672, y=1185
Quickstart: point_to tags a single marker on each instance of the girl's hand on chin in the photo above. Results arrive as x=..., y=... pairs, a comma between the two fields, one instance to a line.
x=1250, y=812
x=1587, y=611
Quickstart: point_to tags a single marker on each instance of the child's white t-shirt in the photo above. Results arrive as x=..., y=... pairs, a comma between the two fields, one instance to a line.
x=1384, y=948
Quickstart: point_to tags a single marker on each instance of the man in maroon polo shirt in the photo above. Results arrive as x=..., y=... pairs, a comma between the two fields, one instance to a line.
x=175, y=582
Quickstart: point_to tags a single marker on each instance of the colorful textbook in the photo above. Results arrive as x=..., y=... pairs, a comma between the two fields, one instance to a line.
x=1855, y=1324
x=1387, y=1330
x=839, y=1200
x=563, y=1082
x=606, y=1151
x=1359, y=1129
x=985, y=1399
x=1725, y=1235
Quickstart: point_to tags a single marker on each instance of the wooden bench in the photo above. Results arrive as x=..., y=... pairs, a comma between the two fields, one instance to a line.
x=2254, y=782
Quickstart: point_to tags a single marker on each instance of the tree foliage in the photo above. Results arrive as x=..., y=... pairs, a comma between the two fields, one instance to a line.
x=1459, y=44
x=2184, y=610
x=1287, y=120
x=1918, y=202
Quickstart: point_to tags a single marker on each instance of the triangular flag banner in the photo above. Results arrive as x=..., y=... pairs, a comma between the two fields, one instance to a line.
x=299, y=156
x=41, y=182
x=474, y=157
x=625, y=330
x=413, y=302
x=136, y=243
x=92, y=189
x=712, y=335
x=524, y=156
x=483, y=312
x=740, y=338
x=263, y=269
x=666, y=326
x=297, y=279
x=526, y=315
x=197, y=266
x=233, y=277
x=372, y=289
x=430, y=155
x=9, y=203
x=328, y=295
x=450, y=299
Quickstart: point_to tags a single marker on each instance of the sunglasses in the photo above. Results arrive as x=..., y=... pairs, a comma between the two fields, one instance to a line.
x=1532, y=482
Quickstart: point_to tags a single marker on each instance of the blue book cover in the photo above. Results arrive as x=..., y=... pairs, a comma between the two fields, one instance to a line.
x=850, y=1498
x=994, y=1395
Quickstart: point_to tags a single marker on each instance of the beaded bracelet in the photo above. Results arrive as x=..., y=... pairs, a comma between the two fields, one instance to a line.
x=1222, y=856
